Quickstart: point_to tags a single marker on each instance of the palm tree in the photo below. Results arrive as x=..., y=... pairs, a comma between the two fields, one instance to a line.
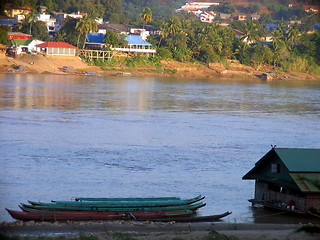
x=292, y=36
x=26, y=24
x=146, y=16
x=251, y=32
x=86, y=25
x=170, y=28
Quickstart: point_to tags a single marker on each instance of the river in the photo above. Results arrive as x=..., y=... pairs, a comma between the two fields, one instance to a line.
x=70, y=136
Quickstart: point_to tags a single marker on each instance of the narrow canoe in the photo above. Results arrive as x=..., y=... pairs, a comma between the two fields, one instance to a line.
x=52, y=207
x=85, y=216
x=210, y=218
x=80, y=199
x=121, y=204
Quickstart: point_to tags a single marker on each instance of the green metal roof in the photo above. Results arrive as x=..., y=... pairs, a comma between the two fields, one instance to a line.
x=301, y=168
x=300, y=159
x=19, y=42
x=307, y=182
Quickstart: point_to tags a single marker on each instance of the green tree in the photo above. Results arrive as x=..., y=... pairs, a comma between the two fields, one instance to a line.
x=146, y=16
x=86, y=25
x=114, y=40
x=39, y=31
x=25, y=25
x=292, y=36
x=113, y=7
x=4, y=34
x=252, y=32
x=69, y=31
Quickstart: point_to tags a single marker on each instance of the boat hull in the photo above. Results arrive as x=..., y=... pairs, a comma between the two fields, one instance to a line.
x=86, y=216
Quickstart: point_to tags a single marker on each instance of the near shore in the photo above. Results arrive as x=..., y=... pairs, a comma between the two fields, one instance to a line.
x=158, y=231
x=54, y=65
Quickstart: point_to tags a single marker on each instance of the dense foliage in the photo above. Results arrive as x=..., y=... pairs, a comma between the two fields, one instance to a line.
x=185, y=38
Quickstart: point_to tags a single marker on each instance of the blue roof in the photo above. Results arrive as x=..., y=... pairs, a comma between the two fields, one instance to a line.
x=136, y=40
x=271, y=26
x=316, y=26
x=131, y=39
x=8, y=22
x=95, y=37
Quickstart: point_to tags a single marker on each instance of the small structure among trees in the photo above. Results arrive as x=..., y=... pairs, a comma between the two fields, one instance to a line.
x=288, y=179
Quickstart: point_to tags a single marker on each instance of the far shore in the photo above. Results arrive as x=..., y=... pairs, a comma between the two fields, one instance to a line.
x=232, y=70
x=156, y=230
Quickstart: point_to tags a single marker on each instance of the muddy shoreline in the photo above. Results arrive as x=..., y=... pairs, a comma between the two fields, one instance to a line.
x=155, y=230
x=232, y=70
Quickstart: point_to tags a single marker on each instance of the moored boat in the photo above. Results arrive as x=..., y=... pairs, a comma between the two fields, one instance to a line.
x=122, y=204
x=209, y=218
x=53, y=207
x=85, y=216
x=87, y=199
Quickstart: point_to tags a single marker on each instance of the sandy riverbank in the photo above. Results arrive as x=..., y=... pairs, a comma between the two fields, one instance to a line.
x=54, y=65
x=154, y=230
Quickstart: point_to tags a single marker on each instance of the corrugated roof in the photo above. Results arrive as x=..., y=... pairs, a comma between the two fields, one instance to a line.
x=136, y=40
x=56, y=45
x=307, y=182
x=95, y=37
x=299, y=159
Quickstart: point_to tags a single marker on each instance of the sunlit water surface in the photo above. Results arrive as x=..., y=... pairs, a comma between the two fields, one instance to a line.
x=72, y=136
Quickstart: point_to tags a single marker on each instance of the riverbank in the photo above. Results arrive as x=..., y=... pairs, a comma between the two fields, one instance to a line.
x=54, y=65
x=155, y=230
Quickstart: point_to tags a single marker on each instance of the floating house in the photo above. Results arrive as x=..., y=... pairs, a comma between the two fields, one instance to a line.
x=57, y=48
x=287, y=179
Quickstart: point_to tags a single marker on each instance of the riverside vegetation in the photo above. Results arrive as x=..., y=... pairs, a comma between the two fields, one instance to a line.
x=184, y=38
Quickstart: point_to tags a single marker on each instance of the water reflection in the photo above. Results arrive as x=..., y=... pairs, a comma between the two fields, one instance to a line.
x=67, y=136
x=154, y=94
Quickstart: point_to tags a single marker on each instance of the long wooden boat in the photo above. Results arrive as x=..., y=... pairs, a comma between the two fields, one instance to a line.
x=85, y=216
x=88, y=199
x=210, y=218
x=53, y=207
x=108, y=204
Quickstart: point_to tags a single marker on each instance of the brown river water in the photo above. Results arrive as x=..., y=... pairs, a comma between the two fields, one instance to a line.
x=71, y=136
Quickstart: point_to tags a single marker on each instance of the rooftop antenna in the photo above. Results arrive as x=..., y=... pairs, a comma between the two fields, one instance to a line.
x=273, y=146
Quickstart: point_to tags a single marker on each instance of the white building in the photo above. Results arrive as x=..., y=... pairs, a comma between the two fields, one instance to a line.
x=193, y=6
x=207, y=16
x=50, y=22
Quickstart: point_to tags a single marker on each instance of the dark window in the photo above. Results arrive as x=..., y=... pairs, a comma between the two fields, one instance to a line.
x=275, y=168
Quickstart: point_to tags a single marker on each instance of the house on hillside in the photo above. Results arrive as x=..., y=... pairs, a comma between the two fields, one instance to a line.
x=268, y=38
x=207, y=16
x=57, y=48
x=311, y=8
x=240, y=17
x=287, y=179
x=194, y=6
x=18, y=11
x=48, y=21
x=119, y=28
x=136, y=45
x=18, y=35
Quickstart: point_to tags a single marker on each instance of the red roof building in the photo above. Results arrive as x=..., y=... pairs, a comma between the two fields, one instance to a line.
x=311, y=8
x=57, y=48
x=18, y=35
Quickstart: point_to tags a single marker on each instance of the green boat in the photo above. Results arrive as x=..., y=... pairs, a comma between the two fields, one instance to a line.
x=52, y=206
x=109, y=204
x=80, y=199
